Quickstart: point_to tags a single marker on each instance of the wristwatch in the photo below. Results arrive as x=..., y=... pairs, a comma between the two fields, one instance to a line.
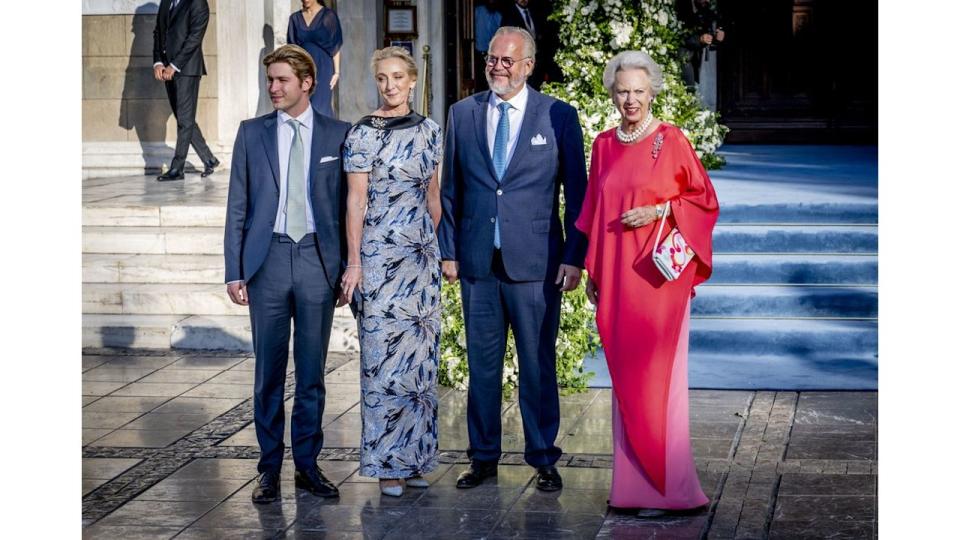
x=660, y=208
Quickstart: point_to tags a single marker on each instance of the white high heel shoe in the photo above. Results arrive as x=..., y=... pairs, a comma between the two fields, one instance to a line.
x=417, y=482
x=392, y=491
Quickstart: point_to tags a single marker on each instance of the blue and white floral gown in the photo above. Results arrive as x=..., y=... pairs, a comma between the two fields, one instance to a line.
x=400, y=311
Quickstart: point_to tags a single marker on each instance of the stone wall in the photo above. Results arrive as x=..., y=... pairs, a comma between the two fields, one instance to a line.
x=121, y=101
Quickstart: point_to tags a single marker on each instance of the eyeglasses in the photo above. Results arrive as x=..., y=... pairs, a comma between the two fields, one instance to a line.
x=507, y=62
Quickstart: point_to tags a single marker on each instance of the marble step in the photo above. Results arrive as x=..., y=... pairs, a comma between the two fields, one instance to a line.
x=137, y=331
x=223, y=332
x=141, y=213
x=795, y=239
x=764, y=372
x=133, y=268
x=787, y=212
x=144, y=215
x=154, y=240
x=785, y=301
x=726, y=239
x=783, y=372
x=711, y=300
x=801, y=337
x=762, y=269
x=159, y=299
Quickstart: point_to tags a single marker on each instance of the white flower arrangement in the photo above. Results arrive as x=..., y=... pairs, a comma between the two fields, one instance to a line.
x=593, y=32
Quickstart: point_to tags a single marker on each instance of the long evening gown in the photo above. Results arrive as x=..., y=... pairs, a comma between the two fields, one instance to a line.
x=400, y=311
x=322, y=38
x=642, y=318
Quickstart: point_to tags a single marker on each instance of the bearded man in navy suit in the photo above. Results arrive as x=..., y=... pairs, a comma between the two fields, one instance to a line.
x=508, y=152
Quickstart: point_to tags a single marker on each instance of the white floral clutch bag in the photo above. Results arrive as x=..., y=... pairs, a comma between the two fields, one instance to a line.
x=673, y=255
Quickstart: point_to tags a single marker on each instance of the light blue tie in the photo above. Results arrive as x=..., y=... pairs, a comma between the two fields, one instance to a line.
x=500, y=142
x=296, y=187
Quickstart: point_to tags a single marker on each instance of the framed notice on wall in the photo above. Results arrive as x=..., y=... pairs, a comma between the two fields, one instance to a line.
x=405, y=43
x=401, y=21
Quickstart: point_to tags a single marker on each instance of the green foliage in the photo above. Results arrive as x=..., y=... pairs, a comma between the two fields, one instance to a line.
x=577, y=338
x=593, y=31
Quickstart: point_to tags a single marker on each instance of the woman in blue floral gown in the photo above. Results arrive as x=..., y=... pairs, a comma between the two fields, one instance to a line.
x=393, y=259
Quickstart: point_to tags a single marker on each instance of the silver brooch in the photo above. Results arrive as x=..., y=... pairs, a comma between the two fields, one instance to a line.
x=657, y=142
x=378, y=122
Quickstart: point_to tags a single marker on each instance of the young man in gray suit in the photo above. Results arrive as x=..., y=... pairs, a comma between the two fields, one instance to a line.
x=284, y=252
x=506, y=156
x=178, y=60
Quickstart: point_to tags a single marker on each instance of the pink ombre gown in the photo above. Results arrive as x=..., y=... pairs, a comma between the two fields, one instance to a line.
x=631, y=488
x=642, y=318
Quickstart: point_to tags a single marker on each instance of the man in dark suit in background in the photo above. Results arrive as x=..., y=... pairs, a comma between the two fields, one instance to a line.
x=283, y=253
x=507, y=154
x=531, y=15
x=178, y=61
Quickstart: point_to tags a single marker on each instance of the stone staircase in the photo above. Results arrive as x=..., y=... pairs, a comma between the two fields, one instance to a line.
x=153, y=269
x=789, y=306
x=793, y=301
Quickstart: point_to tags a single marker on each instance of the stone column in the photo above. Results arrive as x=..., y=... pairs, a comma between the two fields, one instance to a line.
x=361, y=21
x=430, y=24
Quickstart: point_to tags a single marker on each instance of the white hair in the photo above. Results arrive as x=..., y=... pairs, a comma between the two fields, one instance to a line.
x=529, y=45
x=633, y=60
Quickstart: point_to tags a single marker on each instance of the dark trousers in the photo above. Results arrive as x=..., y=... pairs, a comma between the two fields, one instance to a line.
x=491, y=306
x=184, y=92
x=291, y=284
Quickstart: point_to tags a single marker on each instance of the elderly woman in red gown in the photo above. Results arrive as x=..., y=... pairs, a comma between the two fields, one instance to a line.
x=635, y=170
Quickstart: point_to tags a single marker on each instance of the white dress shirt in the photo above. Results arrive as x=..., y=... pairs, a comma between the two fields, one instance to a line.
x=284, y=142
x=518, y=105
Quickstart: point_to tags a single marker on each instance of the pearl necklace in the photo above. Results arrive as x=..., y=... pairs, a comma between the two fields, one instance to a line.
x=628, y=138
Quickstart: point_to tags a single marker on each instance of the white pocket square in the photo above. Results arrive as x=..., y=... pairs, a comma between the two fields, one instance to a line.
x=539, y=140
x=327, y=159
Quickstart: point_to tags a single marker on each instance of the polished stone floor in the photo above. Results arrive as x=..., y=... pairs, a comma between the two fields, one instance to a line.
x=169, y=451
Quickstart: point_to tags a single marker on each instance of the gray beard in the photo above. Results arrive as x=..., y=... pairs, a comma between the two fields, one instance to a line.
x=503, y=89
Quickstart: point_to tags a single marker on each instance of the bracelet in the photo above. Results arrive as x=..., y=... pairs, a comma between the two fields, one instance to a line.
x=660, y=209
x=354, y=266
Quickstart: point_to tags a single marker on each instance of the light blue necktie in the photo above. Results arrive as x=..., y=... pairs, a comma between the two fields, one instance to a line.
x=500, y=142
x=296, y=188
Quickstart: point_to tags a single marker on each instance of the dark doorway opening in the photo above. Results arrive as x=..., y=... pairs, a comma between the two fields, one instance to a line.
x=799, y=71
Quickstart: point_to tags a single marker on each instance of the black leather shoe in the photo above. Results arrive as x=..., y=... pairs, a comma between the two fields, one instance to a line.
x=209, y=168
x=548, y=479
x=268, y=488
x=475, y=474
x=172, y=174
x=315, y=482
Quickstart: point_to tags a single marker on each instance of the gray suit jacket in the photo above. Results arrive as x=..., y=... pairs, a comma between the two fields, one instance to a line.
x=255, y=195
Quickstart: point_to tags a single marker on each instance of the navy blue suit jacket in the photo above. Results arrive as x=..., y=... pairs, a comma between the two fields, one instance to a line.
x=255, y=195
x=532, y=241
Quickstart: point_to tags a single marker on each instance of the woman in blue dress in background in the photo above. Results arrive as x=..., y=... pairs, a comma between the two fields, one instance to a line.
x=393, y=258
x=316, y=28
